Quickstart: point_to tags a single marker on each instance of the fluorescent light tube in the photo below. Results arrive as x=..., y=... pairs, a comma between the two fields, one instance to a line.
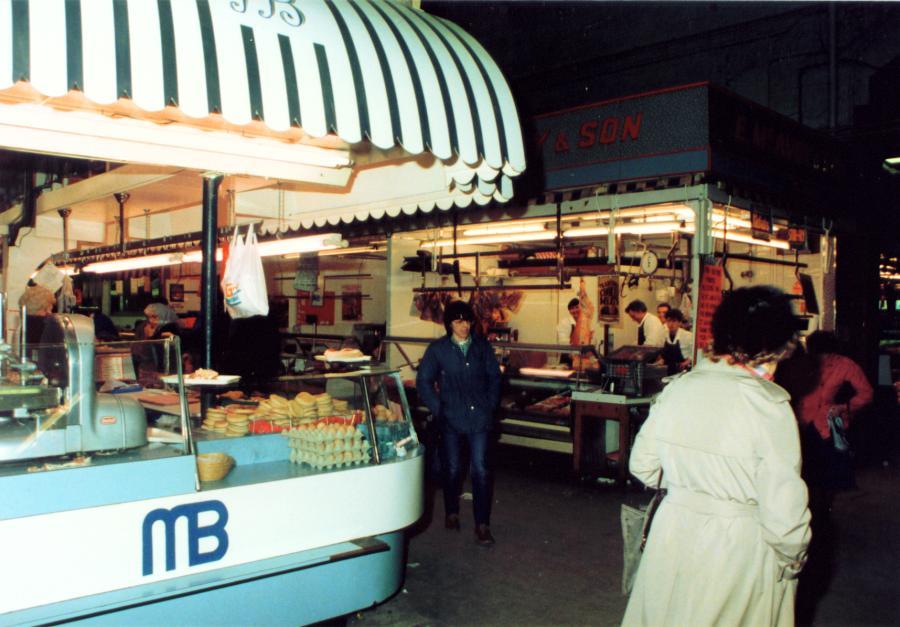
x=196, y=256
x=308, y=244
x=630, y=228
x=748, y=239
x=504, y=228
x=134, y=263
x=491, y=239
x=312, y=243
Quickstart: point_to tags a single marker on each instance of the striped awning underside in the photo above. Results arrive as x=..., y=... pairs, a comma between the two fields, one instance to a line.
x=362, y=70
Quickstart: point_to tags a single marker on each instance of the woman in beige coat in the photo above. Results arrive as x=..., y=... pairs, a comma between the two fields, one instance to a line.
x=730, y=536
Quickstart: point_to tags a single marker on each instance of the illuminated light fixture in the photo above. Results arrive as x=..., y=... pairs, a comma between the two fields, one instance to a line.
x=492, y=239
x=196, y=256
x=682, y=211
x=134, y=263
x=352, y=250
x=505, y=228
x=331, y=252
x=312, y=243
x=630, y=228
x=748, y=239
x=742, y=237
x=67, y=270
x=732, y=222
x=308, y=244
x=40, y=128
x=293, y=246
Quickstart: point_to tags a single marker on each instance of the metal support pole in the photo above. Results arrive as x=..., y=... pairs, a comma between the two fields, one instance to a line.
x=122, y=198
x=208, y=276
x=64, y=214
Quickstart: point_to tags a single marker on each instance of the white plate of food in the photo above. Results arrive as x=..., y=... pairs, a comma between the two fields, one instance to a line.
x=343, y=360
x=344, y=355
x=203, y=376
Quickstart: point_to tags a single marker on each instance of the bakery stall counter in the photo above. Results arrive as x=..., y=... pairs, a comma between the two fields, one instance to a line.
x=313, y=423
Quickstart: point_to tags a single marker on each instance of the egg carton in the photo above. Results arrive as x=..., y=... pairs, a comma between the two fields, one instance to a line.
x=329, y=460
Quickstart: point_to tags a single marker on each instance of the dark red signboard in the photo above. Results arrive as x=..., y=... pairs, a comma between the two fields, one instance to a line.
x=317, y=307
x=710, y=295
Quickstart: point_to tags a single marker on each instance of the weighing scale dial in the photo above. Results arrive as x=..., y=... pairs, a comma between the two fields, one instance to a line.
x=649, y=262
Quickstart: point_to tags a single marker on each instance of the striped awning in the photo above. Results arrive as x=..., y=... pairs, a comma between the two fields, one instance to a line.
x=377, y=71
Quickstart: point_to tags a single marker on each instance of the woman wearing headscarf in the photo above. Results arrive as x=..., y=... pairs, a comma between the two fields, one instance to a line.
x=161, y=323
x=731, y=534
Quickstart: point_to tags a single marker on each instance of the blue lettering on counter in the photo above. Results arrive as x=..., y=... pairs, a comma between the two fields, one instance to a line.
x=191, y=512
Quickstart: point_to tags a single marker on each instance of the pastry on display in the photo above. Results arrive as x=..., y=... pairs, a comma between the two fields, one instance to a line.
x=204, y=374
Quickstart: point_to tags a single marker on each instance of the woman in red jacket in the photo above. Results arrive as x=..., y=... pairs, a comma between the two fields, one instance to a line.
x=839, y=391
x=830, y=397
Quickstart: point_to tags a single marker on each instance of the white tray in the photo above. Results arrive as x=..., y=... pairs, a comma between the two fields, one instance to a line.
x=222, y=379
x=546, y=372
x=343, y=360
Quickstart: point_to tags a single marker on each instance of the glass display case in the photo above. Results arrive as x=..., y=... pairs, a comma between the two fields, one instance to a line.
x=329, y=420
x=535, y=403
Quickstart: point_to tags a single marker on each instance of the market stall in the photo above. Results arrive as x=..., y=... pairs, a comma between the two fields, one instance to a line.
x=667, y=197
x=165, y=125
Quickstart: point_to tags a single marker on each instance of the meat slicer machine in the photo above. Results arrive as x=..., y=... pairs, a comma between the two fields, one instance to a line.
x=49, y=406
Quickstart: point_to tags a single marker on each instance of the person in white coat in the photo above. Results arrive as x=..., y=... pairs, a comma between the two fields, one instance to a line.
x=731, y=534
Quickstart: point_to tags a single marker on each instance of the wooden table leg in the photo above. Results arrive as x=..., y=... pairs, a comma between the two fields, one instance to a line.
x=576, y=441
x=624, y=440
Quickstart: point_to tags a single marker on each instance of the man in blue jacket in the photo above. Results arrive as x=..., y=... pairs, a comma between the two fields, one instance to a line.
x=467, y=376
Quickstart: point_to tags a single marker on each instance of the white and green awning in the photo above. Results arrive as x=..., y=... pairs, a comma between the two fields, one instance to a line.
x=303, y=70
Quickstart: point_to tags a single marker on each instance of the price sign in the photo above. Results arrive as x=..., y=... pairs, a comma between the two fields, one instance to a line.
x=760, y=225
x=797, y=238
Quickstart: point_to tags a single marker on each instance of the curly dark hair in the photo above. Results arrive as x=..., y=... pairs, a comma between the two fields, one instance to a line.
x=754, y=325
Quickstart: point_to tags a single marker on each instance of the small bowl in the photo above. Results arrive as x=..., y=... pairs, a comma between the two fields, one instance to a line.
x=214, y=466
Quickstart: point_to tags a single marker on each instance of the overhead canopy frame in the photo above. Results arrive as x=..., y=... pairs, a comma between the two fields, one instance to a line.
x=298, y=92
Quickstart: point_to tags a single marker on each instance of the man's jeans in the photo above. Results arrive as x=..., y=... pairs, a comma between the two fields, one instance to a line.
x=452, y=476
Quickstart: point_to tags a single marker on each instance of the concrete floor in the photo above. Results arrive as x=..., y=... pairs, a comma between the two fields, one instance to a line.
x=558, y=561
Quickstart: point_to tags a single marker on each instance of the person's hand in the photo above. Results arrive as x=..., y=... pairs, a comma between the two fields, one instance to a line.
x=165, y=334
x=838, y=410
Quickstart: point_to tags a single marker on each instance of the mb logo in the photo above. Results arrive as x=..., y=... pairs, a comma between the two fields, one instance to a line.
x=191, y=512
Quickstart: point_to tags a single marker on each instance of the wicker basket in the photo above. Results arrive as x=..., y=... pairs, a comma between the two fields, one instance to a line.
x=214, y=466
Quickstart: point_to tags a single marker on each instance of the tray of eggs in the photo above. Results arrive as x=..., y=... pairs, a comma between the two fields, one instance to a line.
x=323, y=445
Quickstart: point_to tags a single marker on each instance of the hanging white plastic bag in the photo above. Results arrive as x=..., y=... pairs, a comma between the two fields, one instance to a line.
x=244, y=282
